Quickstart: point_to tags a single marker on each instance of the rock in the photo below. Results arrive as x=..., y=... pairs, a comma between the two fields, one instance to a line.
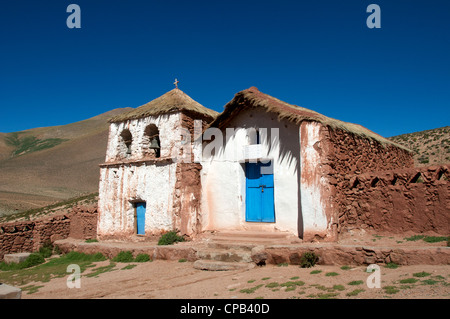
x=15, y=258
x=10, y=292
x=259, y=255
x=213, y=265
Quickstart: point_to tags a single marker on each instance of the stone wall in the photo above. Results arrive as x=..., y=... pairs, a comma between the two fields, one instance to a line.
x=29, y=236
x=415, y=200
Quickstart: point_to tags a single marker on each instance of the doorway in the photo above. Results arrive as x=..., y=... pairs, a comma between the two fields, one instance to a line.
x=259, y=193
x=140, y=217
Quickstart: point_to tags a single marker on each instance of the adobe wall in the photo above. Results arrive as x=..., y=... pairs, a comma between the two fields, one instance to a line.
x=397, y=201
x=29, y=236
x=327, y=156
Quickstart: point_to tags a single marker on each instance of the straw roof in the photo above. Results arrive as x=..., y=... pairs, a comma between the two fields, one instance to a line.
x=252, y=97
x=173, y=101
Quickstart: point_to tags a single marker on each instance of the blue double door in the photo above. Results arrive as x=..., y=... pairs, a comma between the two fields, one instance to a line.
x=140, y=218
x=259, y=193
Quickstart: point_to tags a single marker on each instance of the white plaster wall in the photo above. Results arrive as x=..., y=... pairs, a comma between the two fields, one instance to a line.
x=152, y=182
x=223, y=174
x=312, y=183
x=169, y=135
x=119, y=186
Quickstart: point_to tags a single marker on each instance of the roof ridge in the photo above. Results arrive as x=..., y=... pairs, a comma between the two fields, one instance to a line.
x=253, y=97
x=171, y=101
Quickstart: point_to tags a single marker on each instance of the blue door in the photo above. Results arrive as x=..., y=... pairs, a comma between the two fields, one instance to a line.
x=259, y=193
x=140, y=218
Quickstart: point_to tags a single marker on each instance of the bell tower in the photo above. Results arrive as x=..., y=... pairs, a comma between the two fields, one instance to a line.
x=144, y=189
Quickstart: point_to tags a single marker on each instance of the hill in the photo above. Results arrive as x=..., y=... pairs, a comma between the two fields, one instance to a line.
x=42, y=166
x=430, y=147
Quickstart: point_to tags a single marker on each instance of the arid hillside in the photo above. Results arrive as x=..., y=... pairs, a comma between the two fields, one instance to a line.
x=430, y=147
x=44, y=165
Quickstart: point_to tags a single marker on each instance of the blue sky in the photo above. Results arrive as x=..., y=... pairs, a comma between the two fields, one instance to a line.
x=317, y=54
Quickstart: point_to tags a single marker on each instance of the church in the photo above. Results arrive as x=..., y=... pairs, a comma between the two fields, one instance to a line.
x=262, y=164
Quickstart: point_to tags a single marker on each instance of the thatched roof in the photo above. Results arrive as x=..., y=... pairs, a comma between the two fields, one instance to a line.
x=173, y=101
x=252, y=97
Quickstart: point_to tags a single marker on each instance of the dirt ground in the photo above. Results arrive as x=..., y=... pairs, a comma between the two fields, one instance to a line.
x=179, y=280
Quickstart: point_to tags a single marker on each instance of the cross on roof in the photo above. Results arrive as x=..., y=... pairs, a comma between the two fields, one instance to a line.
x=176, y=83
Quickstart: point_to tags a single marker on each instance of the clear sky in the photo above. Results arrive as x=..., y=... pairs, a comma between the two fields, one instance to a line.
x=317, y=54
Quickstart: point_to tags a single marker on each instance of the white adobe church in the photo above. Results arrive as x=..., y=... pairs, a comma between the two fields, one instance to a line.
x=260, y=164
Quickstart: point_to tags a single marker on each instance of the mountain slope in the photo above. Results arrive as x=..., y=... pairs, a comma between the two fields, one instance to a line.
x=35, y=174
x=430, y=147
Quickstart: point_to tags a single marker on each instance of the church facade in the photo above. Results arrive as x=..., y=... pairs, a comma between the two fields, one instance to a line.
x=173, y=164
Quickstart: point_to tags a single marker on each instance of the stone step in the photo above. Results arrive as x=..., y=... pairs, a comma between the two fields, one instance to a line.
x=227, y=255
x=10, y=292
x=214, y=265
x=230, y=245
x=15, y=258
x=252, y=234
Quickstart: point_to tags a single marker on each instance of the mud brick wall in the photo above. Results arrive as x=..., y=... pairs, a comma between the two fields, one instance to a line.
x=83, y=222
x=414, y=200
x=29, y=236
x=343, y=153
x=348, y=153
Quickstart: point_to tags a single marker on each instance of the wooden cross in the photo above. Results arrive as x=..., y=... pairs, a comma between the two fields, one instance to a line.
x=176, y=83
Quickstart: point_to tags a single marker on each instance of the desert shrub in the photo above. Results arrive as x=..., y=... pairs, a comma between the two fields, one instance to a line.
x=33, y=260
x=45, y=251
x=308, y=260
x=141, y=258
x=123, y=257
x=435, y=239
x=170, y=238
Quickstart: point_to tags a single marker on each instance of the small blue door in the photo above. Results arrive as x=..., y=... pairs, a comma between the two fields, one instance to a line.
x=259, y=193
x=140, y=218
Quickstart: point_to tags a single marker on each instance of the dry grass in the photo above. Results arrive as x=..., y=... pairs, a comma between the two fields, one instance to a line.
x=252, y=98
x=172, y=101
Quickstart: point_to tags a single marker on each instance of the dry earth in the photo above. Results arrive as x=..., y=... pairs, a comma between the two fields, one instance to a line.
x=165, y=279
x=179, y=280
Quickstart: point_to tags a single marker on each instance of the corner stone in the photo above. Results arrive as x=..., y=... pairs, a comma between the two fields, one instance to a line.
x=15, y=258
x=10, y=292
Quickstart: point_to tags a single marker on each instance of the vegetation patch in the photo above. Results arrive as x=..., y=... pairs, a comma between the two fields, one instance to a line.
x=390, y=290
x=123, y=257
x=272, y=285
x=421, y=274
x=308, y=260
x=429, y=282
x=44, y=272
x=142, y=258
x=354, y=292
x=331, y=274
x=409, y=281
x=131, y=266
x=428, y=239
x=100, y=270
x=170, y=238
x=250, y=290
x=29, y=144
x=355, y=282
